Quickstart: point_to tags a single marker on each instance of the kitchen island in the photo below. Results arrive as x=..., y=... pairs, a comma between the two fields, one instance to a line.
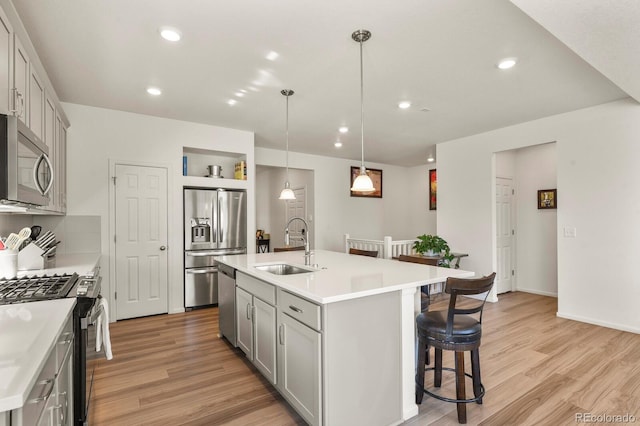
x=337, y=338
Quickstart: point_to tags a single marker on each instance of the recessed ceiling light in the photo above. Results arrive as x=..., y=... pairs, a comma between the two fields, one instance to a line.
x=343, y=129
x=404, y=105
x=430, y=159
x=507, y=63
x=170, y=34
x=154, y=91
x=338, y=144
x=242, y=91
x=232, y=102
x=239, y=94
x=253, y=89
x=272, y=56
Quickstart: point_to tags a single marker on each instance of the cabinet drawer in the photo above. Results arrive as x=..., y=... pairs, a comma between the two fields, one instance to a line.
x=260, y=289
x=41, y=392
x=304, y=311
x=64, y=342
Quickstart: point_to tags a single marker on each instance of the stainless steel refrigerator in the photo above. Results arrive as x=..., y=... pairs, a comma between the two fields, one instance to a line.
x=215, y=223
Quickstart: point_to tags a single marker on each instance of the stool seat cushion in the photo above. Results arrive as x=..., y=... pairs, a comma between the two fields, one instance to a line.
x=434, y=325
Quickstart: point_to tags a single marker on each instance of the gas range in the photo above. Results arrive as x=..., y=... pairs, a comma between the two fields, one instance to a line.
x=33, y=289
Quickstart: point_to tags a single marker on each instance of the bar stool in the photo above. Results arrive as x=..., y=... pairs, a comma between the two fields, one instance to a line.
x=454, y=330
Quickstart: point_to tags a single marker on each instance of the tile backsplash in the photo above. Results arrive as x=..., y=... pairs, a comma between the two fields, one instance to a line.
x=78, y=234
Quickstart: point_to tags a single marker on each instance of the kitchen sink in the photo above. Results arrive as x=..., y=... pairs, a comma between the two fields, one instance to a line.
x=283, y=269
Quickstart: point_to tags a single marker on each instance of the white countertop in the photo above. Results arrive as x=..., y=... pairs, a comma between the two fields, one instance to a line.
x=341, y=276
x=28, y=332
x=67, y=264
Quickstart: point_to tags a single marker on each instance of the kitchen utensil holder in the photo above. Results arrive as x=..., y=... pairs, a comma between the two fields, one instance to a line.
x=30, y=258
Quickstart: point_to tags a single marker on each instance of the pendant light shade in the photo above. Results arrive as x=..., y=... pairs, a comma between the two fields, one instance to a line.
x=287, y=193
x=363, y=182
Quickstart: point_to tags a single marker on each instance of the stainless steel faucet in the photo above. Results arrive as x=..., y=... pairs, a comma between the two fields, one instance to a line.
x=305, y=238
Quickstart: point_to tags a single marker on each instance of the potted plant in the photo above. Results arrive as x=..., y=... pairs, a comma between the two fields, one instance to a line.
x=433, y=245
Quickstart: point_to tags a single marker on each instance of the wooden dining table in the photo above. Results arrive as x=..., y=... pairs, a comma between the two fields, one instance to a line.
x=455, y=261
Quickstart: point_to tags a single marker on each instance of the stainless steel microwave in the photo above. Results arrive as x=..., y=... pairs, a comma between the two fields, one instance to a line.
x=26, y=172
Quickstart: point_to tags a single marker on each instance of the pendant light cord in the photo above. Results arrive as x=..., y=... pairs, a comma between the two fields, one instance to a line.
x=361, y=110
x=287, y=124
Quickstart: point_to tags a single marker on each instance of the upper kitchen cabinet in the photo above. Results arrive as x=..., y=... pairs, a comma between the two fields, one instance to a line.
x=21, y=79
x=26, y=92
x=6, y=65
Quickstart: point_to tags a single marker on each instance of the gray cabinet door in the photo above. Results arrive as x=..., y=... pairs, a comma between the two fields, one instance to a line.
x=299, y=367
x=265, y=339
x=244, y=313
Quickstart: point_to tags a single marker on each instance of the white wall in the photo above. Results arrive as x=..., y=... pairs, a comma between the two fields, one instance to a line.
x=597, y=180
x=536, y=242
x=337, y=213
x=98, y=135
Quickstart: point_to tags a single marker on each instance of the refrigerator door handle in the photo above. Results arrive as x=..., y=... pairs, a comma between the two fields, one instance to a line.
x=215, y=210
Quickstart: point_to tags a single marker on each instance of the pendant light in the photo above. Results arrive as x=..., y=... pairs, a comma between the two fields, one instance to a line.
x=287, y=193
x=363, y=182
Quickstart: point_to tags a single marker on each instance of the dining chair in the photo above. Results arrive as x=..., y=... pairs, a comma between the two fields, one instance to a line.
x=370, y=253
x=279, y=249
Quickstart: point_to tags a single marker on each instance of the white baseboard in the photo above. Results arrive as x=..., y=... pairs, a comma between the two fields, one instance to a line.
x=534, y=291
x=607, y=324
x=176, y=311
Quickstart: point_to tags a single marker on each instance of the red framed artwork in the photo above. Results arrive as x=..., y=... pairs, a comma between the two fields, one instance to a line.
x=433, y=189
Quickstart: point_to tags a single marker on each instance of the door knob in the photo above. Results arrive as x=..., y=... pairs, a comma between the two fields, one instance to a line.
x=163, y=248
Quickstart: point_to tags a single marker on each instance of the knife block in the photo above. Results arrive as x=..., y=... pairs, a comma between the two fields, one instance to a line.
x=30, y=258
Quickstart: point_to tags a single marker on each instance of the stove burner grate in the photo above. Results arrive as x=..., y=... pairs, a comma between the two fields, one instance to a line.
x=33, y=289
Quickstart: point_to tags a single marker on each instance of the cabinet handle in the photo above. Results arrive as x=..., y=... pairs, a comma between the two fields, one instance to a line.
x=281, y=334
x=293, y=308
x=21, y=97
x=248, y=311
x=51, y=382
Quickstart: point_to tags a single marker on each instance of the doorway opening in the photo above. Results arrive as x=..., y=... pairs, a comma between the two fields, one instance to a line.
x=525, y=236
x=271, y=213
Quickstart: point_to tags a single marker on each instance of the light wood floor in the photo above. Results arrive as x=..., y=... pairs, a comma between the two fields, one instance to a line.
x=537, y=370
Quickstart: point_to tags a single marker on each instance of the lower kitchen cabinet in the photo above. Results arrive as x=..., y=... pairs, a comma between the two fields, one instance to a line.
x=50, y=401
x=256, y=321
x=299, y=367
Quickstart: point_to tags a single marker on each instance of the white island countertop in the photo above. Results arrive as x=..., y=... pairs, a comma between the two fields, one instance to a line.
x=28, y=332
x=340, y=276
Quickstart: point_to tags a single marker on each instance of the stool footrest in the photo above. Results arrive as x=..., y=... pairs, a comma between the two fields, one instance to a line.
x=444, y=398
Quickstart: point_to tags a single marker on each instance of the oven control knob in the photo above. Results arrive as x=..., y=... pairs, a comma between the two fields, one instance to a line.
x=163, y=248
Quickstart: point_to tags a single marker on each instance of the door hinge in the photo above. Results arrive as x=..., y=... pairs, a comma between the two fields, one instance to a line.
x=114, y=180
x=513, y=232
x=513, y=192
x=513, y=273
x=116, y=296
x=114, y=238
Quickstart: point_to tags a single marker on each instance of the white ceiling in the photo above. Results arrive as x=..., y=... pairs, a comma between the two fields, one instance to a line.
x=438, y=54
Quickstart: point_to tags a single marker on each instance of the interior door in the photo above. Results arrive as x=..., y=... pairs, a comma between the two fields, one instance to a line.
x=297, y=208
x=140, y=240
x=505, y=228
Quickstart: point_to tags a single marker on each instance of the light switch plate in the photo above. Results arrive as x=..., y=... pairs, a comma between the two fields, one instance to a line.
x=569, y=232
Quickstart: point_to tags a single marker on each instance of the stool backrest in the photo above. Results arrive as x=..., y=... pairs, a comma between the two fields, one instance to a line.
x=414, y=259
x=370, y=253
x=466, y=286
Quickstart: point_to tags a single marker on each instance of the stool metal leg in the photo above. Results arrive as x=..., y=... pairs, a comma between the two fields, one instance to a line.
x=475, y=372
x=437, y=371
x=422, y=348
x=460, y=388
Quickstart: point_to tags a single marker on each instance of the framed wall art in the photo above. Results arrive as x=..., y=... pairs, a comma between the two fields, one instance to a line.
x=433, y=189
x=547, y=199
x=376, y=178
